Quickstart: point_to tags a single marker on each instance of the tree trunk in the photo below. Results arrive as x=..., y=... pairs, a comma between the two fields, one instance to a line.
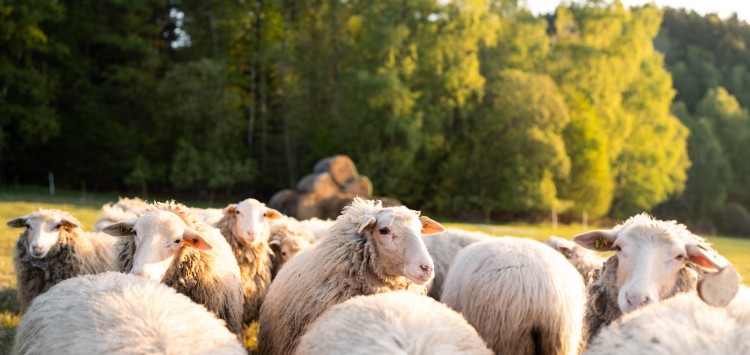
x=282, y=92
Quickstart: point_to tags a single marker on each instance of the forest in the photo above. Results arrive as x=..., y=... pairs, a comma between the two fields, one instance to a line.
x=468, y=108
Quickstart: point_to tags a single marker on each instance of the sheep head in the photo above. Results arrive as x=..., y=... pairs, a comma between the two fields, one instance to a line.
x=158, y=237
x=252, y=218
x=650, y=255
x=43, y=229
x=396, y=232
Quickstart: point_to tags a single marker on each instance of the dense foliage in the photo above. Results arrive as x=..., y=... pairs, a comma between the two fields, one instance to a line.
x=472, y=107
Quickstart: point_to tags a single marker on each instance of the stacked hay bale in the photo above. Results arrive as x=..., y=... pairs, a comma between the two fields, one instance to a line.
x=333, y=184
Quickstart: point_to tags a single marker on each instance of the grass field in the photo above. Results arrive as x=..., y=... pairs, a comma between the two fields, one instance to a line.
x=86, y=208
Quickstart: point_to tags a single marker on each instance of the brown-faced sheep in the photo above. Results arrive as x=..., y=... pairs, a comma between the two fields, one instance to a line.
x=170, y=245
x=520, y=295
x=246, y=227
x=391, y=323
x=655, y=260
x=53, y=247
x=114, y=313
x=119, y=211
x=584, y=260
x=369, y=250
x=443, y=249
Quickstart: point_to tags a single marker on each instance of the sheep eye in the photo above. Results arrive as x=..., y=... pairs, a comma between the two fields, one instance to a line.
x=57, y=226
x=680, y=257
x=26, y=225
x=283, y=253
x=237, y=212
x=384, y=230
x=177, y=241
x=617, y=247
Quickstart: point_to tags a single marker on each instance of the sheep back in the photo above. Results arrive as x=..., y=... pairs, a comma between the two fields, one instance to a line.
x=520, y=295
x=391, y=323
x=117, y=313
x=680, y=325
x=443, y=248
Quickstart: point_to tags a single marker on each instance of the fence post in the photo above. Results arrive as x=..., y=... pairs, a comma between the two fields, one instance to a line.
x=51, y=183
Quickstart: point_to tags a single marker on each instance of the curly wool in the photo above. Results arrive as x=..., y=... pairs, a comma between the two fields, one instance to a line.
x=114, y=313
x=255, y=267
x=443, y=249
x=76, y=253
x=211, y=278
x=343, y=265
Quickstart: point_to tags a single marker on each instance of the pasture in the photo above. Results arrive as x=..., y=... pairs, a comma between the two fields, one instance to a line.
x=86, y=209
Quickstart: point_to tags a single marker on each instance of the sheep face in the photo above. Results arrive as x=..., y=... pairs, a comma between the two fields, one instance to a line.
x=289, y=247
x=42, y=230
x=399, y=243
x=252, y=220
x=650, y=254
x=158, y=236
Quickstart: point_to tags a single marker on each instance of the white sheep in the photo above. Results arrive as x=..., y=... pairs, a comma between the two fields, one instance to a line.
x=655, y=260
x=520, y=295
x=114, y=313
x=119, y=211
x=169, y=244
x=391, y=323
x=443, y=249
x=53, y=247
x=682, y=324
x=584, y=260
x=246, y=227
x=210, y=216
x=369, y=250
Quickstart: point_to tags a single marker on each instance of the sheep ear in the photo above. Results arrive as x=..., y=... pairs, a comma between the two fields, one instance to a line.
x=70, y=223
x=719, y=288
x=195, y=239
x=18, y=222
x=231, y=209
x=699, y=256
x=121, y=229
x=273, y=214
x=431, y=227
x=274, y=244
x=367, y=221
x=598, y=240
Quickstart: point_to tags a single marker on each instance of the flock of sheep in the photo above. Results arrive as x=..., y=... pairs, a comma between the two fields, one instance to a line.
x=165, y=278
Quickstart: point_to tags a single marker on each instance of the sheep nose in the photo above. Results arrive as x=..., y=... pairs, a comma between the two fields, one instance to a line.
x=637, y=300
x=250, y=235
x=427, y=269
x=36, y=250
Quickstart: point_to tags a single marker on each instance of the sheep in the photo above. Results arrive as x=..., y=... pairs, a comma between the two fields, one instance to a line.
x=318, y=227
x=584, y=260
x=118, y=313
x=396, y=322
x=369, y=250
x=119, y=211
x=520, y=295
x=286, y=242
x=443, y=249
x=169, y=244
x=246, y=227
x=53, y=247
x=682, y=324
x=210, y=216
x=655, y=260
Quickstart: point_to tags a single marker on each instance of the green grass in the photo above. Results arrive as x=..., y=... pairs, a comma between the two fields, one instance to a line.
x=86, y=208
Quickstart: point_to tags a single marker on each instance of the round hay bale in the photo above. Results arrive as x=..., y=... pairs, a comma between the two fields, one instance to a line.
x=321, y=184
x=360, y=186
x=307, y=206
x=285, y=201
x=341, y=168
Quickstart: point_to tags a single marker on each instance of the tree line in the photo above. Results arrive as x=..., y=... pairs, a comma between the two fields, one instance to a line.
x=468, y=108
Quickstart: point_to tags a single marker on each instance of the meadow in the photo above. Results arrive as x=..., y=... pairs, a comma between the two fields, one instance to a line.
x=86, y=208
